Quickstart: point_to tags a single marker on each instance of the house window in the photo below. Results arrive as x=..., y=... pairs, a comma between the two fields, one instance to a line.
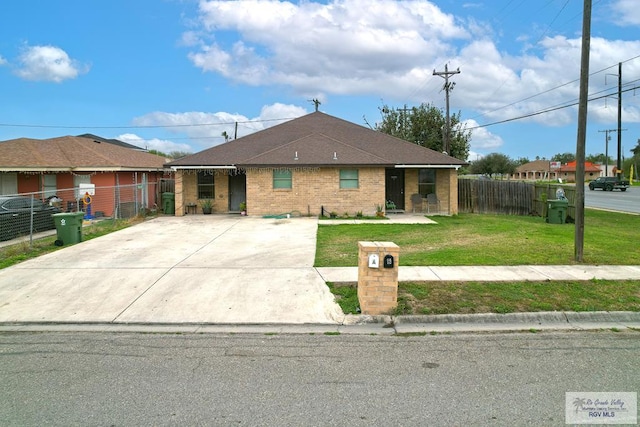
x=348, y=178
x=50, y=186
x=206, y=185
x=426, y=181
x=282, y=179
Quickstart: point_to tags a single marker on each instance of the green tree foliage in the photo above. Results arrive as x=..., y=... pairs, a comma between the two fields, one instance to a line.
x=599, y=158
x=636, y=150
x=172, y=155
x=493, y=164
x=522, y=161
x=158, y=153
x=424, y=125
x=179, y=154
x=564, y=158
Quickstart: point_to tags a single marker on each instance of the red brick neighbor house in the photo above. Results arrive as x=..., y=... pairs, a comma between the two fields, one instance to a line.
x=57, y=166
x=312, y=163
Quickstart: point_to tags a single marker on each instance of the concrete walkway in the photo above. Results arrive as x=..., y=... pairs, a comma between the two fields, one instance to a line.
x=224, y=273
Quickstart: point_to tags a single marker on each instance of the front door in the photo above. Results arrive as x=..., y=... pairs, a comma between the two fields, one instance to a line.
x=237, y=191
x=394, y=187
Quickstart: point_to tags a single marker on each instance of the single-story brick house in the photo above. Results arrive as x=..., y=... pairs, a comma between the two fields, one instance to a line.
x=546, y=169
x=311, y=163
x=57, y=166
x=568, y=171
x=538, y=169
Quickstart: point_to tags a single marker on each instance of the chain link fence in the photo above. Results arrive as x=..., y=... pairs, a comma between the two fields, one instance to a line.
x=28, y=213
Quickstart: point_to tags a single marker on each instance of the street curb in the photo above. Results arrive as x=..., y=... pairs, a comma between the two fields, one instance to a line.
x=528, y=318
x=364, y=324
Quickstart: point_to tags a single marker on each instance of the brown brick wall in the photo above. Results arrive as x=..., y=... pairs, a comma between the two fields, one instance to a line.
x=313, y=188
x=187, y=191
x=377, y=287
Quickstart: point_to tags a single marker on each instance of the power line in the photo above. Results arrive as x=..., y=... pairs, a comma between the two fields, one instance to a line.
x=550, y=90
x=143, y=126
x=548, y=110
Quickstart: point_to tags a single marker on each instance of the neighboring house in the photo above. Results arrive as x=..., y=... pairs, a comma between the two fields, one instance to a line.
x=312, y=163
x=111, y=141
x=568, y=171
x=536, y=170
x=548, y=170
x=50, y=167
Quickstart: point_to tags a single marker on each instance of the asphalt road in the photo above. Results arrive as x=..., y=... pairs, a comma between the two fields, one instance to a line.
x=66, y=379
x=623, y=201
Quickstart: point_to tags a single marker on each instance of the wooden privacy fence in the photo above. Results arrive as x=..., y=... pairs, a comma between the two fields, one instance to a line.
x=510, y=197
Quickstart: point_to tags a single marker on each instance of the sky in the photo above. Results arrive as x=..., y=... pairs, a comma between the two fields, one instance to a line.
x=174, y=75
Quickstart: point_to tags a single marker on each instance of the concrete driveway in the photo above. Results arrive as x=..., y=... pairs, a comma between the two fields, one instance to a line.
x=192, y=269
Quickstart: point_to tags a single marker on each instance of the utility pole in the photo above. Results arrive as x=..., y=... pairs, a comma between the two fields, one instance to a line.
x=619, y=164
x=403, y=115
x=448, y=87
x=582, y=130
x=607, y=138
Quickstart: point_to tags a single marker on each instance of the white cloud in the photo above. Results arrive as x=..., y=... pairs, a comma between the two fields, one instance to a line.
x=481, y=138
x=162, y=145
x=205, y=129
x=626, y=12
x=345, y=46
x=2, y=61
x=390, y=48
x=47, y=63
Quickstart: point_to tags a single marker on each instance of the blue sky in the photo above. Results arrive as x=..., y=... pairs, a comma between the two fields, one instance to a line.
x=174, y=74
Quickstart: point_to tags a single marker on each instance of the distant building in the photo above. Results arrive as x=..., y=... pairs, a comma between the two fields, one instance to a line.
x=568, y=171
x=548, y=170
x=537, y=170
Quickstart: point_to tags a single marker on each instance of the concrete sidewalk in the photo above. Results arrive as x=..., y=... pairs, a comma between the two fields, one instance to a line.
x=223, y=273
x=494, y=273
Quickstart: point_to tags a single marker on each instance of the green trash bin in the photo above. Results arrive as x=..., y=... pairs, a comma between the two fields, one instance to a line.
x=68, y=227
x=557, y=211
x=169, y=203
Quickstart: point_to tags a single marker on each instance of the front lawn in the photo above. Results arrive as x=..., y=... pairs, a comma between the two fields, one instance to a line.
x=473, y=239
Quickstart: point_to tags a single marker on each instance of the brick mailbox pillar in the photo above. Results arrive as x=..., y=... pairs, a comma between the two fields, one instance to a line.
x=378, y=277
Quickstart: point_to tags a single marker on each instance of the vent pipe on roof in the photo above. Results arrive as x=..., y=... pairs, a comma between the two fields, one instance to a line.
x=335, y=155
x=295, y=157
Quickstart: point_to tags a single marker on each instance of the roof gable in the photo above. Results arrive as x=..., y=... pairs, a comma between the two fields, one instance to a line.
x=315, y=138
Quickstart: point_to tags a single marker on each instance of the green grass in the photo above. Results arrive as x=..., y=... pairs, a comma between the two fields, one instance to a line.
x=473, y=239
x=502, y=297
x=14, y=254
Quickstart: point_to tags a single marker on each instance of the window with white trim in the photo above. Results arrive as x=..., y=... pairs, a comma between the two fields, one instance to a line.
x=349, y=178
x=282, y=179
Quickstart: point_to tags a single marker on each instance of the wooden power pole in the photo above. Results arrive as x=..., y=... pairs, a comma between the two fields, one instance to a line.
x=582, y=130
x=448, y=87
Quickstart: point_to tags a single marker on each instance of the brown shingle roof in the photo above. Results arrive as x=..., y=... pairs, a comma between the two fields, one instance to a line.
x=315, y=138
x=535, y=166
x=73, y=153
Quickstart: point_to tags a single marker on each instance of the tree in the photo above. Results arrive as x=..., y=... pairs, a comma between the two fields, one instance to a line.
x=599, y=158
x=564, y=157
x=522, y=161
x=425, y=125
x=493, y=164
x=158, y=153
x=179, y=154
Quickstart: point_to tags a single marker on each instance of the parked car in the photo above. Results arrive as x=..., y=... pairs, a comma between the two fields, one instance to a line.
x=16, y=213
x=609, y=183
